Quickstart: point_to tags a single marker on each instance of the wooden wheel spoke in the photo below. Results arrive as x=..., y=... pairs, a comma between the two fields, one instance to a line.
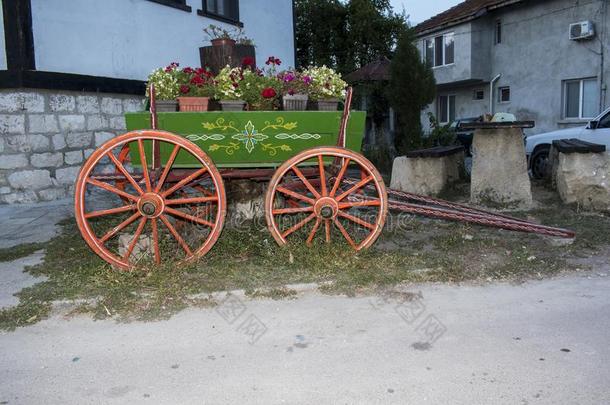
x=280, y=211
x=184, y=181
x=355, y=187
x=188, y=217
x=135, y=239
x=345, y=234
x=298, y=226
x=119, y=227
x=340, y=177
x=327, y=230
x=312, y=234
x=144, y=165
x=111, y=188
x=176, y=235
x=305, y=181
x=191, y=200
x=322, y=176
x=168, y=166
x=155, y=235
x=94, y=214
x=356, y=220
x=294, y=194
x=124, y=171
x=367, y=203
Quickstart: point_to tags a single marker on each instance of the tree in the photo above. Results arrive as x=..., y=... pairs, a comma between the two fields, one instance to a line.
x=412, y=87
x=345, y=35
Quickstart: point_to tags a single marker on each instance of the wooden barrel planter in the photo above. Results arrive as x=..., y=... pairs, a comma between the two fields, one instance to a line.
x=218, y=56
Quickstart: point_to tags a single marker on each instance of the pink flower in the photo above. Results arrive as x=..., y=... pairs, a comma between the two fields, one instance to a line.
x=269, y=92
x=306, y=79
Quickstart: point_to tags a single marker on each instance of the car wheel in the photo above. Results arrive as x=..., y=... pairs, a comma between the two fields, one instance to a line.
x=539, y=162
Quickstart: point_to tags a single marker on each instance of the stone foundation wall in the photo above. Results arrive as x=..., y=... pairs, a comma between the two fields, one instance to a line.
x=46, y=135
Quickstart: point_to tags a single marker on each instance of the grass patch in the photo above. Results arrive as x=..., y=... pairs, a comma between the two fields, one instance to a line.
x=411, y=249
x=17, y=252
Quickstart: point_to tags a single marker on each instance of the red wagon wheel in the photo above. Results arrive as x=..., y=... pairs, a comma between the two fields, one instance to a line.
x=163, y=214
x=314, y=191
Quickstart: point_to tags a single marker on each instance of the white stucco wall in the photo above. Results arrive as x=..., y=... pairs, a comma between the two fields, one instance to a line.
x=2, y=44
x=128, y=38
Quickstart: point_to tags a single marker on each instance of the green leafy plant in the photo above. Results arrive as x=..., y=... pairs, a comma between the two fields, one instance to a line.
x=441, y=135
x=197, y=82
x=238, y=34
x=228, y=84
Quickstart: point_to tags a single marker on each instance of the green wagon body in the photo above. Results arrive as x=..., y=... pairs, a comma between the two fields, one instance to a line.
x=251, y=139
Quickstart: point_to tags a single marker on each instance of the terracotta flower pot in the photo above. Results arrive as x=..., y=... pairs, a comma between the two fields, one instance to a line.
x=166, y=105
x=328, y=104
x=232, y=105
x=223, y=42
x=295, y=102
x=193, y=103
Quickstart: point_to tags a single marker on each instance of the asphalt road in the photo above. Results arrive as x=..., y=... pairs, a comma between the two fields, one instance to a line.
x=543, y=342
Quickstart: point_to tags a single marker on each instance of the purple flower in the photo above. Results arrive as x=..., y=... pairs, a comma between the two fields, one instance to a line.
x=306, y=79
x=289, y=77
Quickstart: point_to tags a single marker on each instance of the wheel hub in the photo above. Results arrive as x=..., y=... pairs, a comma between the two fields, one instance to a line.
x=326, y=208
x=151, y=205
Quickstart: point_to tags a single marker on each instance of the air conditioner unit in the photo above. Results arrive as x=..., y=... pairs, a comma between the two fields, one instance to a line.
x=581, y=30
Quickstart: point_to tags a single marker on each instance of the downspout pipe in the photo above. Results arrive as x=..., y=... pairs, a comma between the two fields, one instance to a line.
x=491, y=92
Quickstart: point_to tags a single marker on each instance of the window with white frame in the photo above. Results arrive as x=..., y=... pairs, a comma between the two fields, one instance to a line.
x=580, y=98
x=478, y=94
x=440, y=50
x=446, y=109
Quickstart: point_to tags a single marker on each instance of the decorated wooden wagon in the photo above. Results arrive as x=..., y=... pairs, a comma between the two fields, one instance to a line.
x=168, y=192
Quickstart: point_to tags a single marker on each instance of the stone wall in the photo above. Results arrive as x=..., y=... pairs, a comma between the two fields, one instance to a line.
x=46, y=135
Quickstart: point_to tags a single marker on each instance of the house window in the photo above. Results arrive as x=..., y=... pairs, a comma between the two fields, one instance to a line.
x=180, y=4
x=504, y=94
x=498, y=32
x=223, y=10
x=580, y=98
x=446, y=109
x=440, y=50
x=478, y=95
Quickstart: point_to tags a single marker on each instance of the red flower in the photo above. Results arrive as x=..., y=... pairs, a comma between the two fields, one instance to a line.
x=269, y=92
x=188, y=70
x=184, y=89
x=197, y=80
x=247, y=61
x=272, y=60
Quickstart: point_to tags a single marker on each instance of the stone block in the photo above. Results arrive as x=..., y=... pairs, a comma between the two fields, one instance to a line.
x=96, y=122
x=43, y=123
x=12, y=124
x=582, y=179
x=421, y=175
x=59, y=141
x=27, y=143
x=30, y=179
x=117, y=123
x=5, y=190
x=51, y=194
x=72, y=123
x=87, y=104
x=499, y=169
x=67, y=175
x=102, y=137
x=33, y=102
x=1, y=145
x=55, y=159
x=79, y=139
x=13, y=161
x=11, y=101
x=111, y=105
x=62, y=103
x=22, y=197
x=74, y=157
x=88, y=152
x=133, y=105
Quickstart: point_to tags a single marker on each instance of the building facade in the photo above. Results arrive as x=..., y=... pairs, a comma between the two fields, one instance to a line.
x=69, y=70
x=545, y=61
